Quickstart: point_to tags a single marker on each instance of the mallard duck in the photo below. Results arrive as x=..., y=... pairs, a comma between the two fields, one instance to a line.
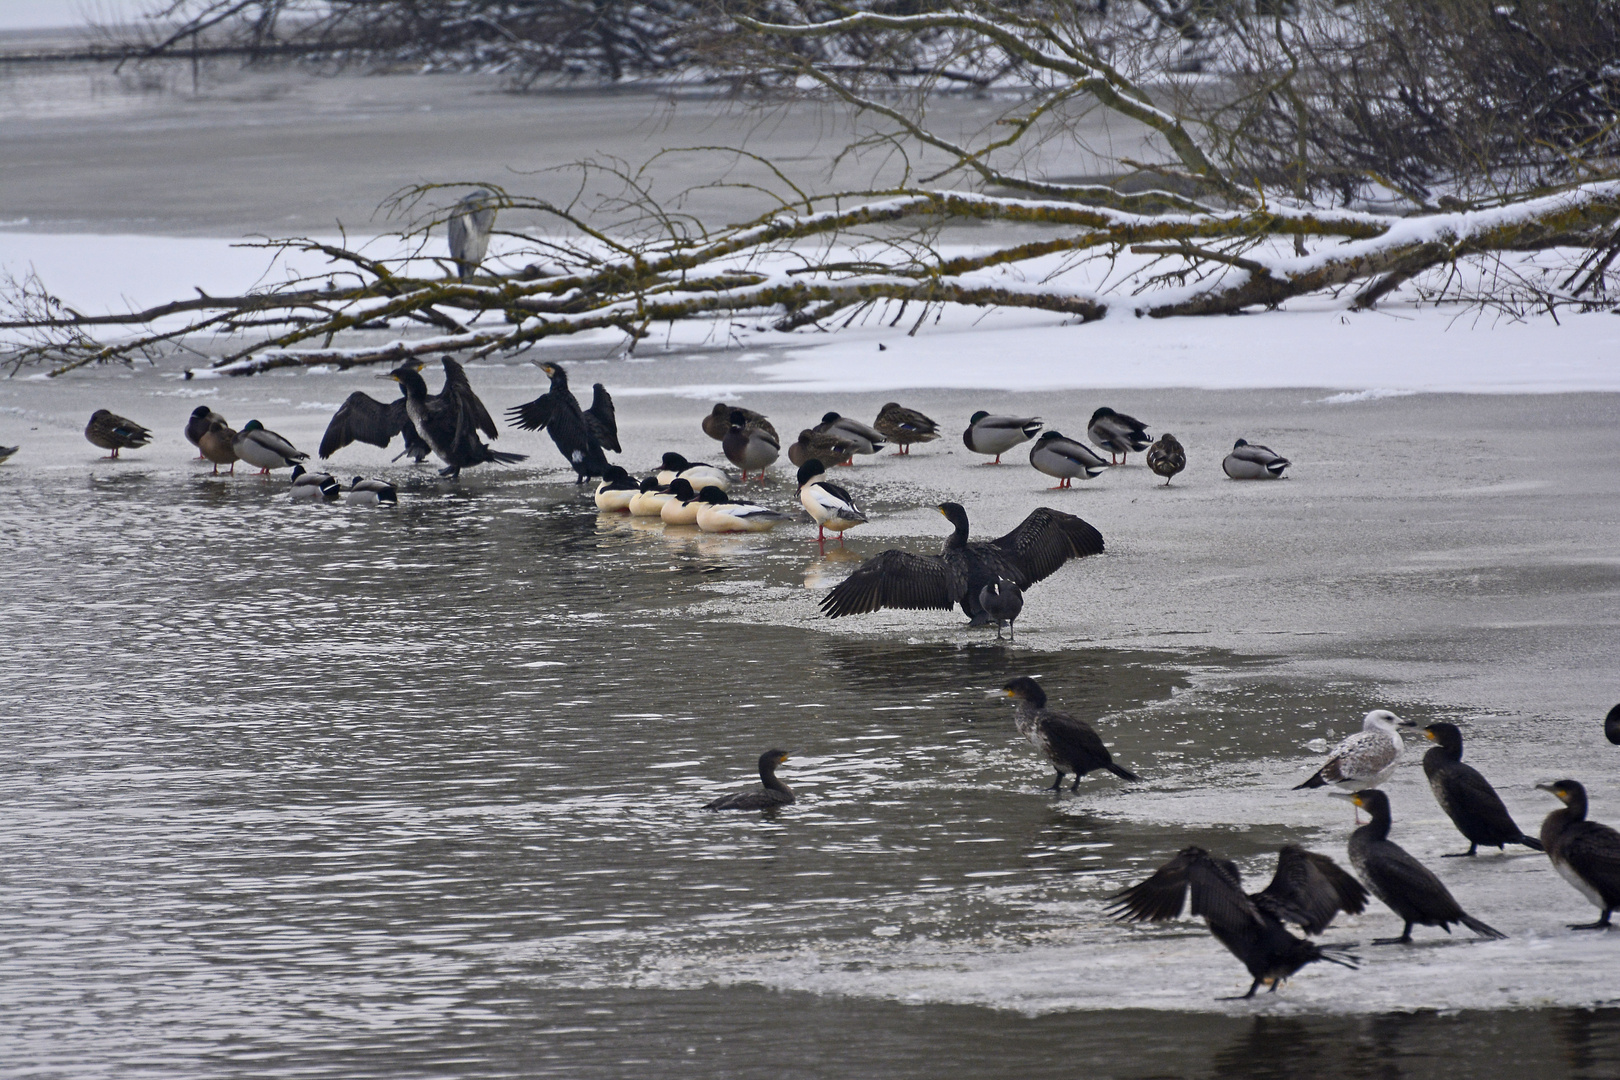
x=821, y=446
x=700, y=474
x=112, y=432
x=258, y=446
x=1250, y=461
x=1406, y=886
x=903, y=426
x=1166, y=457
x=771, y=792
x=718, y=422
x=218, y=444
x=987, y=434
x=306, y=486
x=450, y=422
x=1069, y=743
x=1003, y=602
x=581, y=436
x=1585, y=853
x=682, y=507
x=1308, y=889
x=1055, y=455
x=1365, y=759
x=1042, y=543
x=1117, y=433
x=718, y=514
x=363, y=492
x=650, y=499
x=362, y=418
x=830, y=505
x=202, y=418
x=1467, y=797
x=616, y=490
x=865, y=438
x=750, y=446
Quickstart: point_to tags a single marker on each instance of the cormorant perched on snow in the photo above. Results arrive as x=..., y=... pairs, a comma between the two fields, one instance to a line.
x=1308, y=889
x=1042, y=543
x=1069, y=743
x=578, y=434
x=1585, y=853
x=1409, y=888
x=1467, y=797
x=771, y=792
x=451, y=420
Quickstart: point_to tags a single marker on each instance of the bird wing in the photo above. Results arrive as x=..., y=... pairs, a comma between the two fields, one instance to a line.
x=1045, y=541
x=533, y=415
x=362, y=418
x=601, y=419
x=1159, y=898
x=832, y=497
x=1593, y=851
x=1309, y=889
x=1393, y=872
x=1073, y=740
x=892, y=579
x=1359, y=757
x=457, y=388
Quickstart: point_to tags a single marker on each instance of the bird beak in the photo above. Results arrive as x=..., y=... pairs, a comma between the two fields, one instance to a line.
x=1405, y=723
x=389, y=377
x=1348, y=796
x=1429, y=735
x=1551, y=790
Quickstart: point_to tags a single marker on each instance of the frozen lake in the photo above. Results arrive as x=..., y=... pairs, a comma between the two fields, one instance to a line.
x=318, y=791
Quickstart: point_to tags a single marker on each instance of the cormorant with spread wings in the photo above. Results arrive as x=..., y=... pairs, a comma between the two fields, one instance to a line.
x=1308, y=889
x=1034, y=551
x=362, y=418
x=580, y=434
x=450, y=420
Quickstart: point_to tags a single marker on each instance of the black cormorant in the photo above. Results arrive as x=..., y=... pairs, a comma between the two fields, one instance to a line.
x=1467, y=797
x=451, y=420
x=1585, y=853
x=362, y=418
x=1611, y=725
x=1003, y=602
x=1069, y=743
x=1409, y=888
x=771, y=792
x=1042, y=543
x=558, y=411
x=1166, y=457
x=1308, y=889
x=1117, y=433
x=903, y=426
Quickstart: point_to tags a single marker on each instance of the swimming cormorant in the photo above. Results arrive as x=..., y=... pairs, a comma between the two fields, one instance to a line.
x=1117, y=433
x=1366, y=758
x=1466, y=796
x=903, y=426
x=1166, y=457
x=451, y=420
x=987, y=434
x=771, y=792
x=1409, y=888
x=1033, y=551
x=1251, y=461
x=558, y=411
x=1585, y=853
x=1308, y=889
x=1069, y=743
x=112, y=432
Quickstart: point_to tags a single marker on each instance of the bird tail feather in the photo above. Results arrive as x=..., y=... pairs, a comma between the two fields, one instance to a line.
x=1340, y=954
x=1531, y=842
x=1121, y=772
x=506, y=458
x=1314, y=782
x=1480, y=928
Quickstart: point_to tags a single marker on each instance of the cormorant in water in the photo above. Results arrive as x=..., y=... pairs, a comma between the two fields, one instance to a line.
x=362, y=418
x=578, y=434
x=1467, y=797
x=1409, y=888
x=1033, y=551
x=1585, y=853
x=1308, y=889
x=451, y=420
x=771, y=792
x=1069, y=743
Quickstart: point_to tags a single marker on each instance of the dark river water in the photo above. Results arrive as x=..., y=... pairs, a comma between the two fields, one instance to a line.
x=322, y=791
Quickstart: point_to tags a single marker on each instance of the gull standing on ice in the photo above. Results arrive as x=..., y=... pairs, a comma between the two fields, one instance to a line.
x=1365, y=759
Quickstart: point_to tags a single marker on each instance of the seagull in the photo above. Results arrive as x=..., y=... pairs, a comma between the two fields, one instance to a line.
x=1365, y=759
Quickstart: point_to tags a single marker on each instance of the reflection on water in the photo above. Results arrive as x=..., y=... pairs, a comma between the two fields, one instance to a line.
x=338, y=791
